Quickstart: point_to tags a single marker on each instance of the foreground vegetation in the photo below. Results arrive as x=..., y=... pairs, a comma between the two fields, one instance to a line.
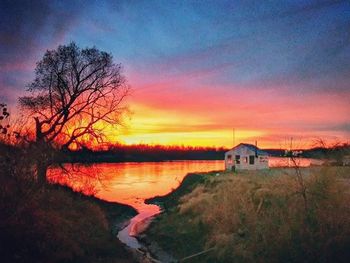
x=51, y=223
x=258, y=216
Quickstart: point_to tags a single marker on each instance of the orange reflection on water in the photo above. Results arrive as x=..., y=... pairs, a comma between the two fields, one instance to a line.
x=130, y=183
x=288, y=162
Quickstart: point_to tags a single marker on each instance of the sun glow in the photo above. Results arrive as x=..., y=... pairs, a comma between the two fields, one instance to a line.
x=193, y=138
x=154, y=126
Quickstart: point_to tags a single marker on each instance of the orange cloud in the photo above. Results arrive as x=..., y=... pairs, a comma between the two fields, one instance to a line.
x=172, y=112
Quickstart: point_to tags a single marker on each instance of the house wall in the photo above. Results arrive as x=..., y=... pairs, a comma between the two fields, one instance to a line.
x=260, y=162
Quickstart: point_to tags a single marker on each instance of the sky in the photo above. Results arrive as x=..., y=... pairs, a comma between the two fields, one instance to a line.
x=270, y=70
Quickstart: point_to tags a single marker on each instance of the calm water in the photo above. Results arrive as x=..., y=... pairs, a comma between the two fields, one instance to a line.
x=287, y=162
x=131, y=183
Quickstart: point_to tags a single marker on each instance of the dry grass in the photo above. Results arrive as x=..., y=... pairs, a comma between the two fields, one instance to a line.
x=261, y=217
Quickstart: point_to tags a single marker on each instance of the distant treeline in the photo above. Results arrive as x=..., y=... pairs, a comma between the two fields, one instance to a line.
x=335, y=152
x=148, y=153
x=143, y=153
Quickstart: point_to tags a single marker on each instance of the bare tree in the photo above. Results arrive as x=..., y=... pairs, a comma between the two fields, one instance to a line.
x=76, y=93
x=4, y=114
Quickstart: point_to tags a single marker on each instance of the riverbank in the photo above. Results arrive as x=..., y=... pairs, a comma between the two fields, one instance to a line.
x=256, y=216
x=52, y=223
x=166, y=203
x=164, y=243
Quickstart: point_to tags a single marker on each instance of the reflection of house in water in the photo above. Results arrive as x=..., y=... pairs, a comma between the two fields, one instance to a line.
x=246, y=156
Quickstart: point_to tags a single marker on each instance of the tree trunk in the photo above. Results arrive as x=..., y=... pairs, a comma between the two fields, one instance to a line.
x=41, y=167
x=41, y=161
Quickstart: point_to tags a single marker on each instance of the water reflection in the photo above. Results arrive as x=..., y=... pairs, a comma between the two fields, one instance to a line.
x=130, y=183
x=288, y=162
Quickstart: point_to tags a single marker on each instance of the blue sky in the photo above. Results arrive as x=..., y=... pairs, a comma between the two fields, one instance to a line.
x=263, y=54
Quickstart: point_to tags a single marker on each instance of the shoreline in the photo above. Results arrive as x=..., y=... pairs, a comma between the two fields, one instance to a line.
x=189, y=182
x=118, y=216
x=165, y=202
x=145, y=253
x=150, y=251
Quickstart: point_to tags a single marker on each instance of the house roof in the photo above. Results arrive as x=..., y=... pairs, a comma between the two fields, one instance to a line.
x=251, y=147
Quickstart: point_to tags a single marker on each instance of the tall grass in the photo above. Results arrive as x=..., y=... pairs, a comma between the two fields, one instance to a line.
x=260, y=216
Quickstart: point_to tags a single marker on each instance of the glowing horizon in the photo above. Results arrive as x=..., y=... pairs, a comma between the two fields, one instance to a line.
x=270, y=71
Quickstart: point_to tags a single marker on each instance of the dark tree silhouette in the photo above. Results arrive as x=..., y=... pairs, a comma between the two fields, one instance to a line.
x=4, y=114
x=76, y=93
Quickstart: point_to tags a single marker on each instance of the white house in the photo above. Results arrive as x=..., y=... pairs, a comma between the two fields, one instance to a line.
x=246, y=156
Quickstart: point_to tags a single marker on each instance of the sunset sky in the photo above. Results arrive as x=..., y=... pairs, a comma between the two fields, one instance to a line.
x=269, y=69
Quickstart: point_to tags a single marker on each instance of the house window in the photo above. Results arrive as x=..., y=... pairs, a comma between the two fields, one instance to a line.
x=229, y=158
x=237, y=158
x=251, y=159
x=245, y=159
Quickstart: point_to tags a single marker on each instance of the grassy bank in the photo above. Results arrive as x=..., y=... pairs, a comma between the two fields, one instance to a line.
x=258, y=216
x=54, y=224
x=170, y=200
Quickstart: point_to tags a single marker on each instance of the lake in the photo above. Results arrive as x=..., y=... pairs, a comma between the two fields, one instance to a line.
x=131, y=183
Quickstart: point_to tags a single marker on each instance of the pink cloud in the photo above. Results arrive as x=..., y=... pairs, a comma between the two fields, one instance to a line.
x=276, y=110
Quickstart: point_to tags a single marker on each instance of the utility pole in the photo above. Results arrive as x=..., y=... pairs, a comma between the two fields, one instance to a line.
x=233, y=137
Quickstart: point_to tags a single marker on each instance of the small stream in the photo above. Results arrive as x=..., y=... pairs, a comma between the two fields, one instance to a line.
x=137, y=225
